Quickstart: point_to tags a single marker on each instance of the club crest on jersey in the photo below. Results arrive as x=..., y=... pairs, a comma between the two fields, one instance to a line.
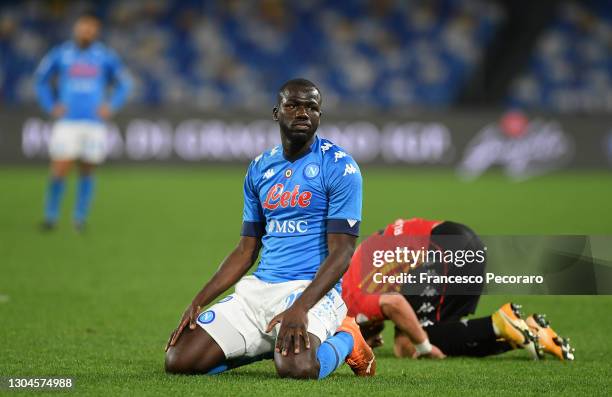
x=311, y=170
x=278, y=197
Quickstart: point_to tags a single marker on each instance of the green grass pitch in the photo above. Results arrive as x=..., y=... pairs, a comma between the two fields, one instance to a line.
x=98, y=307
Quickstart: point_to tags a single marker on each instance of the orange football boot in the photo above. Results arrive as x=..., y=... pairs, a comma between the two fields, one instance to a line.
x=550, y=342
x=361, y=359
x=513, y=329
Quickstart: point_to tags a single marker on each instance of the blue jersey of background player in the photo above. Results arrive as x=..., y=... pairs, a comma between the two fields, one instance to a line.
x=302, y=203
x=72, y=84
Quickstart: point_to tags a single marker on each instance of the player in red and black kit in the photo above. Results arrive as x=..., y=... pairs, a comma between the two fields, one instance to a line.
x=430, y=322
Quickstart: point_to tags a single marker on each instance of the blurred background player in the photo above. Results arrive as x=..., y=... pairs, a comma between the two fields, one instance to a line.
x=432, y=323
x=72, y=83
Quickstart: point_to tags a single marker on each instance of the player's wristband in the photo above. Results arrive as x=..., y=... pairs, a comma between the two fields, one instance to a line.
x=423, y=348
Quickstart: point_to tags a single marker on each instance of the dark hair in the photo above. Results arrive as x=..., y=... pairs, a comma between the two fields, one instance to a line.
x=89, y=14
x=465, y=238
x=296, y=83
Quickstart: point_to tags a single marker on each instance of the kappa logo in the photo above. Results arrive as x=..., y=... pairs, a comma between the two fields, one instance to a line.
x=277, y=197
x=258, y=158
x=268, y=174
x=326, y=146
x=429, y=291
x=349, y=169
x=426, y=307
x=338, y=155
x=274, y=151
x=426, y=322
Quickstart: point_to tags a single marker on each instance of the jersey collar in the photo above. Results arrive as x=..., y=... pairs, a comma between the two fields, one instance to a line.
x=312, y=149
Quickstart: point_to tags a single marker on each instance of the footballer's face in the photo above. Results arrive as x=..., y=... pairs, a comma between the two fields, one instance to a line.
x=86, y=30
x=298, y=113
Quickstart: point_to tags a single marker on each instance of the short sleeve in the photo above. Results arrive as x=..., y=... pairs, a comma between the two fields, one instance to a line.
x=344, y=189
x=253, y=221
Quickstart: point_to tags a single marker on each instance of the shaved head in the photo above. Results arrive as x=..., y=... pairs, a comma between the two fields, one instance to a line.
x=297, y=83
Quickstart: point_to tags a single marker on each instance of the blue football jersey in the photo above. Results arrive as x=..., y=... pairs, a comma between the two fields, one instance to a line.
x=83, y=78
x=293, y=205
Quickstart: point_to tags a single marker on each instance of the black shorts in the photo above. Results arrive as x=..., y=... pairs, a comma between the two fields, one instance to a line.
x=435, y=304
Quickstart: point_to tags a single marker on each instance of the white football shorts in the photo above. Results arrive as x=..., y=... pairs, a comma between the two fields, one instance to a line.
x=78, y=140
x=238, y=322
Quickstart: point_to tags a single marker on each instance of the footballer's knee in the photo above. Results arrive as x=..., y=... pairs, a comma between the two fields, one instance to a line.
x=177, y=364
x=303, y=365
x=86, y=168
x=60, y=168
x=391, y=304
x=195, y=352
x=186, y=364
x=296, y=367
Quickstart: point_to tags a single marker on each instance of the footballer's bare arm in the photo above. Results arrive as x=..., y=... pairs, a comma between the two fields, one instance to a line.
x=233, y=267
x=294, y=320
x=397, y=309
x=341, y=248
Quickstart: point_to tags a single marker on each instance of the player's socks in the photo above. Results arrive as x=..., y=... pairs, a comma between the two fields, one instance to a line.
x=475, y=338
x=84, y=195
x=55, y=192
x=333, y=351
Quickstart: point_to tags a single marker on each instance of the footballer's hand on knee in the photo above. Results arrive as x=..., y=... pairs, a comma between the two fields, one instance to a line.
x=189, y=318
x=294, y=325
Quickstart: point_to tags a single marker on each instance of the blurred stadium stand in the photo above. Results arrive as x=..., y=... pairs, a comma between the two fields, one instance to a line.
x=571, y=67
x=236, y=53
x=384, y=54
